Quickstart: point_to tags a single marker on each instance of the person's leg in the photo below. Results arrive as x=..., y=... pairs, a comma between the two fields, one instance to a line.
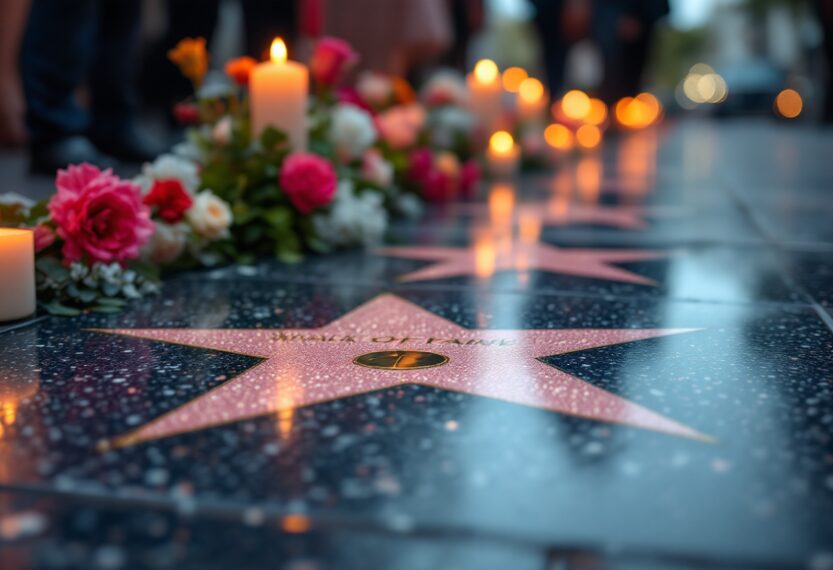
x=113, y=72
x=554, y=52
x=57, y=51
x=56, y=55
x=12, y=106
x=113, y=84
x=634, y=60
x=161, y=82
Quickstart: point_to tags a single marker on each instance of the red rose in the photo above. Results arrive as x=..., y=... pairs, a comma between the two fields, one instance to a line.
x=331, y=59
x=99, y=216
x=439, y=186
x=420, y=163
x=170, y=199
x=308, y=180
x=187, y=113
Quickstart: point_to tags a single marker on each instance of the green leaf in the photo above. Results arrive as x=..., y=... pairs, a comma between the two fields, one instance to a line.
x=106, y=309
x=56, y=308
x=272, y=137
x=52, y=268
x=279, y=217
x=112, y=302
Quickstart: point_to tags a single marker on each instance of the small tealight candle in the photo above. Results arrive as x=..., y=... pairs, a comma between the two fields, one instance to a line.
x=503, y=155
x=531, y=99
x=278, y=93
x=17, y=273
x=485, y=93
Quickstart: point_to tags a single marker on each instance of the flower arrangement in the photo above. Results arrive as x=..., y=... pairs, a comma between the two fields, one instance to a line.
x=376, y=150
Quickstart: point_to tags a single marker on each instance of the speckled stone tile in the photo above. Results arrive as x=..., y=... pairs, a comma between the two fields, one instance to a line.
x=679, y=273
x=79, y=535
x=754, y=379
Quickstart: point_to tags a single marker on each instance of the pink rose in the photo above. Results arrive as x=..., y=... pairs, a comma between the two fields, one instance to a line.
x=349, y=96
x=331, y=59
x=469, y=177
x=439, y=186
x=308, y=180
x=400, y=126
x=420, y=163
x=44, y=237
x=99, y=216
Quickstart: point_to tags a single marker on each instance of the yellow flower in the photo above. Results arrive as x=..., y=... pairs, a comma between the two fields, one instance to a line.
x=191, y=58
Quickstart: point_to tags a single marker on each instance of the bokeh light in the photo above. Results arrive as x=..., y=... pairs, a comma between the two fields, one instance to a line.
x=486, y=71
x=531, y=90
x=501, y=142
x=703, y=85
x=638, y=112
x=789, y=104
x=513, y=77
x=558, y=137
x=575, y=104
x=598, y=112
x=588, y=136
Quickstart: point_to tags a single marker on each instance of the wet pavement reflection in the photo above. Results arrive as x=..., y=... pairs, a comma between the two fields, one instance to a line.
x=626, y=363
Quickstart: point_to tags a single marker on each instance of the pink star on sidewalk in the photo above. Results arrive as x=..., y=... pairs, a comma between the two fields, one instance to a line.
x=390, y=342
x=460, y=261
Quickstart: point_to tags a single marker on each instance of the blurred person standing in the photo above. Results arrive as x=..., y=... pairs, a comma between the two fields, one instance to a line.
x=561, y=24
x=70, y=44
x=824, y=10
x=163, y=85
x=624, y=31
x=12, y=106
x=392, y=36
x=467, y=18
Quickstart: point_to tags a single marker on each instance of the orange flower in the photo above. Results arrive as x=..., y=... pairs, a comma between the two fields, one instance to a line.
x=240, y=68
x=191, y=58
x=402, y=91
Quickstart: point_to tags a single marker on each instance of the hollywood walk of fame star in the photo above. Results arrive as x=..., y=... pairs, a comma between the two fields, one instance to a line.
x=557, y=214
x=462, y=261
x=391, y=342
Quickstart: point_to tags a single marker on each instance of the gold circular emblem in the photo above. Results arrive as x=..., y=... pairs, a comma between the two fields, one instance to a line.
x=400, y=360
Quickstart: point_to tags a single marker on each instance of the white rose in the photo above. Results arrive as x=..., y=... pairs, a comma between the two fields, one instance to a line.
x=351, y=131
x=352, y=219
x=446, y=87
x=169, y=166
x=376, y=89
x=167, y=243
x=376, y=169
x=209, y=216
x=221, y=133
x=448, y=123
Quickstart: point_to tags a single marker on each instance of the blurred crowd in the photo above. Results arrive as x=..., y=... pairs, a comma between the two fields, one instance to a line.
x=75, y=72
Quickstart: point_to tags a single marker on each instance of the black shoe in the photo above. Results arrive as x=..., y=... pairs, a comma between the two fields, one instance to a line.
x=129, y=145
x=48, y=158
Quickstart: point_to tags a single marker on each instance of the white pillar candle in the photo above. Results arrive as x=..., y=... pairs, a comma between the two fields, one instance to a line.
x=278, y=95
x=17, y=273
x=485, y=93
x=503, y=155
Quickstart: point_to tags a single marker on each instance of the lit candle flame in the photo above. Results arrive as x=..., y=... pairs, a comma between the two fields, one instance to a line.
x=277, y=52
x=531, y=90
x=485, y=71
x=501, y=142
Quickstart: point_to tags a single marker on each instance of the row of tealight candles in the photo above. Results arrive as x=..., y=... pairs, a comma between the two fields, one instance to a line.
x=576, y=120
